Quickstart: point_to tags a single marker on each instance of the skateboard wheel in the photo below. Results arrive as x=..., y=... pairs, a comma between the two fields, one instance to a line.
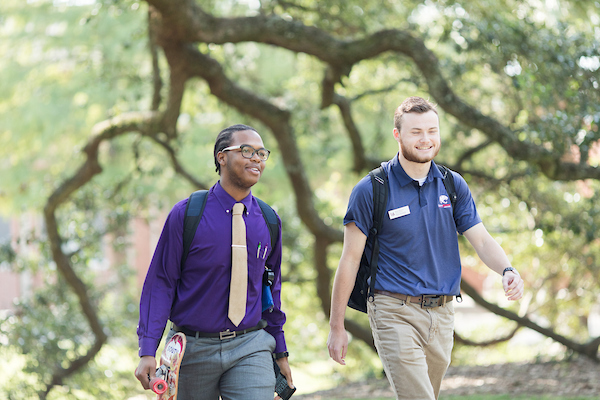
x=159, y=386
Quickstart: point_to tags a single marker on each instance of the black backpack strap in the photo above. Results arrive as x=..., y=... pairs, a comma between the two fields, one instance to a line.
x=448, y=181
x=271, y=220
x=268, y=276
x=380, y=189
x=193, y=214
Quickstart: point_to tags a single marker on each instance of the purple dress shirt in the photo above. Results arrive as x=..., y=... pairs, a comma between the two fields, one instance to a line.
x=197, y=296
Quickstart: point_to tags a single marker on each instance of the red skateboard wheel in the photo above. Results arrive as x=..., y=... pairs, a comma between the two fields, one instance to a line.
x=159, y=386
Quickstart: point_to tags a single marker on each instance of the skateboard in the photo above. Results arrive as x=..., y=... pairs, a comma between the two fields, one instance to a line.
x=167, y=375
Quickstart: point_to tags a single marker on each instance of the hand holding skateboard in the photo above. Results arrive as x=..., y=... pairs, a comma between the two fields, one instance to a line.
x=165, y=381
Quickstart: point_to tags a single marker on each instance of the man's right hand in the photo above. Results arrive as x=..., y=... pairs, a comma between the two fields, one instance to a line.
x=146, y=371
x=337, y=343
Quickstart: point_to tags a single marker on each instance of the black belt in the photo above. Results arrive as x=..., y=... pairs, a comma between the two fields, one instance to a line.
x=426, y=300
x=221, y=335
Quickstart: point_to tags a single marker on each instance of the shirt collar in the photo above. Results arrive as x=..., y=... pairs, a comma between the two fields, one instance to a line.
x=402, y=177
x=227, y=201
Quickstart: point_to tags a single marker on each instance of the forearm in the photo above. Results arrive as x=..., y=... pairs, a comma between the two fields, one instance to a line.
x=275, y=329
x=488, y=250
x=345, y=276
x=275, y=316
x=155, y=309
x=494, y=256
x=343, y=283
x=153, y=317
x=160, y=284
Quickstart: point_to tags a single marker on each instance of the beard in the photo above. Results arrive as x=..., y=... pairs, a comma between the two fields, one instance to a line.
x=239, y=177
x=411, y=155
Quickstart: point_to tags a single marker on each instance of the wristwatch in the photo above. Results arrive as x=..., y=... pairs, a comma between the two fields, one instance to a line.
x=283, y=354
x=509, y=269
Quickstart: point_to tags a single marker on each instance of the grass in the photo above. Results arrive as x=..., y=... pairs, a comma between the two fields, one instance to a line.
x=492, y=397
x=510, y=397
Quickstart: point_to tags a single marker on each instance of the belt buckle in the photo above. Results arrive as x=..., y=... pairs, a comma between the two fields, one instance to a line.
x=430, y=301
x=227, y=334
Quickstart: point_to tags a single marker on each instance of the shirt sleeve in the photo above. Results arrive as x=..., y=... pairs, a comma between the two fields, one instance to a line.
x=161, y=281
x=360, y=206
x=275, y=317
x=466, y=215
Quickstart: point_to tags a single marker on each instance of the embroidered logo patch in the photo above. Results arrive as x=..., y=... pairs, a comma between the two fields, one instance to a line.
x=444, y=201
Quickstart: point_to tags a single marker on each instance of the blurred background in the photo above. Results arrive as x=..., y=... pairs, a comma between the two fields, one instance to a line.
x=109, y=110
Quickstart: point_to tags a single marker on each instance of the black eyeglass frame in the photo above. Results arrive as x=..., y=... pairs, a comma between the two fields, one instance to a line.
x=254, y=151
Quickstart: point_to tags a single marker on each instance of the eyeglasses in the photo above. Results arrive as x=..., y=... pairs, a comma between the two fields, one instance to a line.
x=249, y=151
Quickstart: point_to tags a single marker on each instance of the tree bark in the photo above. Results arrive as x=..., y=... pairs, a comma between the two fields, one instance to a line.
x=193, y=25
x=589, y=349
x=107, y=130
x=177, y=26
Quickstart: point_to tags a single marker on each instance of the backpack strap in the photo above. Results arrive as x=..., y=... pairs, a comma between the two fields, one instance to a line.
x=380, y=190
x=448, y=180
x=193, y=214
x=268, y=277
x=271, y=220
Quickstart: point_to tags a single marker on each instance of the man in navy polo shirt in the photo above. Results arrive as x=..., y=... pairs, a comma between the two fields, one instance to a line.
x=195, y=296
x=418, y=257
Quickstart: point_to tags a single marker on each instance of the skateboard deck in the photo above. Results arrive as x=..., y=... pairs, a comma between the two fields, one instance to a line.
x=167, y=374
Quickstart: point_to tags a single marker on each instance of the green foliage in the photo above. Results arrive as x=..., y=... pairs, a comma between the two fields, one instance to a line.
x=60, y=77
x=48, y=330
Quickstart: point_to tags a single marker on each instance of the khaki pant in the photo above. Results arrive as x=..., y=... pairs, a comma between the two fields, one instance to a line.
x=414, y=345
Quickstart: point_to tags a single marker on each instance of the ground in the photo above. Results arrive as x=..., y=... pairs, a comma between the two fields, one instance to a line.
x=576, y=378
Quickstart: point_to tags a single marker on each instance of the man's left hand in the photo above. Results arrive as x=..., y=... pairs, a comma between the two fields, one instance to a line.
x=286, y=371
x=513, y=285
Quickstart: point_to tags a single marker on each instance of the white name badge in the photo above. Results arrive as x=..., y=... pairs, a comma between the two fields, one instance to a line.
x=399, y=212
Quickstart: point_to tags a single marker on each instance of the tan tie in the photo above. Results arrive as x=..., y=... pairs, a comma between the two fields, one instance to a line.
x=239, y=266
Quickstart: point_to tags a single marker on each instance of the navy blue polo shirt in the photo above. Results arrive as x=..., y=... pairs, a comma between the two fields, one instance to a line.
x=418, y=244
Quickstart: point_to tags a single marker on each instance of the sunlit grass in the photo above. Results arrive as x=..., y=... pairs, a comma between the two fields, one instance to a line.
x=490, y=397
x=510, y=397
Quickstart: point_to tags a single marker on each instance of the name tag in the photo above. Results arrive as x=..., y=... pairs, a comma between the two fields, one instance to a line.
x=399, y=212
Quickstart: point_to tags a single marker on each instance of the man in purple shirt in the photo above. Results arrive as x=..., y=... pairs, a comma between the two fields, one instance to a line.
x=195, y=296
